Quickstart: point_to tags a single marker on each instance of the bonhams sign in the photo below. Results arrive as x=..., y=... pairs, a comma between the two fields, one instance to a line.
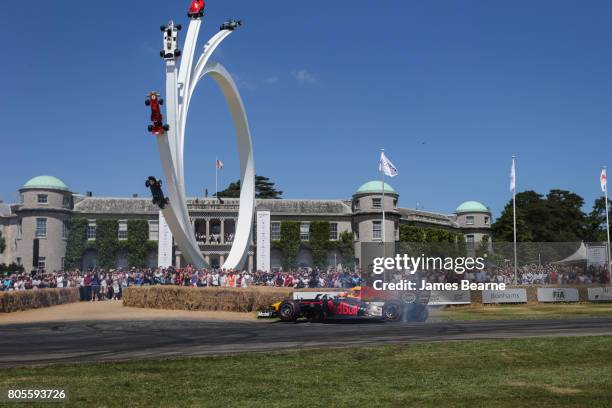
x=601, y=294
x=504, y=296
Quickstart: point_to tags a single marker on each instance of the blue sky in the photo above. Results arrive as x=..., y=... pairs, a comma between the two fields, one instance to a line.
x=451, y=89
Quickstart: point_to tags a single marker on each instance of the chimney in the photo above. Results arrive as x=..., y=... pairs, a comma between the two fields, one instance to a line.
x=89, y=194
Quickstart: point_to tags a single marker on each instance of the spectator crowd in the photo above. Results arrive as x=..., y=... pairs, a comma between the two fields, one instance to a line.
x=100, y=284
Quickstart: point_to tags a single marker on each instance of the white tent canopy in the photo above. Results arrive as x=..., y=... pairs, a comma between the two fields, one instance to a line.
x=579, y=256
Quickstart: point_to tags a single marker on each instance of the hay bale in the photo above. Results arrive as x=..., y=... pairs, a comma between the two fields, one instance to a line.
x=190, y=298
x=36, y=299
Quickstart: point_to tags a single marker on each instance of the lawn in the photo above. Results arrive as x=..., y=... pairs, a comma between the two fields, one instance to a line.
x=555, y=372
x=536, y=311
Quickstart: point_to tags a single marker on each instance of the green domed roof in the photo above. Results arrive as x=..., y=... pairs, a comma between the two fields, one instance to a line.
x=46, y=182
x=472, y=206
x=375, y=186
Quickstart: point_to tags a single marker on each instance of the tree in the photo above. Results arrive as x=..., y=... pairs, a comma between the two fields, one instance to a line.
x=290, y=243
x=346, y=247
x=2, y=243
x=319, y=242
x=264, y=188
x=596, y=221
x=137, y=242
x=558, y=217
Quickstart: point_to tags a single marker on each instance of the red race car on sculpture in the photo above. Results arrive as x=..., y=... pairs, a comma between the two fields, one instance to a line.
x=196, y=10
x=154, y=101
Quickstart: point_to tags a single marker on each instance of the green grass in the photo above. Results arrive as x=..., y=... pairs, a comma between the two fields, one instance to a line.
x=536, y=311
x=555, y=372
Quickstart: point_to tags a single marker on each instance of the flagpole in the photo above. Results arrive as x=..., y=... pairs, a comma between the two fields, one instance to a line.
x=382, y=203
x=607, y=224
x=514, y=220
x=216, y=178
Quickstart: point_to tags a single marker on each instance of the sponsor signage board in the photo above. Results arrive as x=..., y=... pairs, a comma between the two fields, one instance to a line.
x=558, y=295
x=164, y=243
x=505, y=296
x=449, y=297
x=263, y=241
x=603, y=294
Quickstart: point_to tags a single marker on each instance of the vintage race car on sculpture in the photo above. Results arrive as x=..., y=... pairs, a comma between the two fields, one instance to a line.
x=358, y=302
x=154, y=101
x=159, y=198
x=196, y=9
x=170, y=42
x=230, y=25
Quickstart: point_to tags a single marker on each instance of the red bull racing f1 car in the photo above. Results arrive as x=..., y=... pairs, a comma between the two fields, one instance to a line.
x=358, y=302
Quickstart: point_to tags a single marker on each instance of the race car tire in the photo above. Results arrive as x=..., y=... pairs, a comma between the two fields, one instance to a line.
x=179, y=27
x=161, y=101
x=392, y=311
x=147, y=102
x=162, y=54
x=150, y=128
x=166, y=127
x=162, y=28
x=288, y=312
x=420, y=314
x=177, y=53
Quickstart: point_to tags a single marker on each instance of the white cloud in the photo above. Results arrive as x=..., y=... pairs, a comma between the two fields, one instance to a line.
x=304, y=76
x=271, y=80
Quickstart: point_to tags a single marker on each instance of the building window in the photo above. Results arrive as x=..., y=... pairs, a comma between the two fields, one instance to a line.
x=376, y=203
x=91, y=230
x=333, y=231
x=356, y=205
x=65, y=229
x=21, y=200
x=396, y=231
x=123, y=232
x=377, y=229
x=305, y=231
x=395, y=203
x=487, y=220
x=19, y=228
x=42, y=263
x=469, y=220
x=63, y=262
x=153, y=230
x=18, y=260
x=275, y=231
x=43, y=199
x=470, y=241
x=41, y=227
x=66, y=201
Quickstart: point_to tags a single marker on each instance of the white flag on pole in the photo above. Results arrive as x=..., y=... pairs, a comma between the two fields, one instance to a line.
x=512, y=177
x=385, y=165
x=603, y=179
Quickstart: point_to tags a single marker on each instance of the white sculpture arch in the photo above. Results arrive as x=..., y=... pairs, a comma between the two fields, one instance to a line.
x=179, y=89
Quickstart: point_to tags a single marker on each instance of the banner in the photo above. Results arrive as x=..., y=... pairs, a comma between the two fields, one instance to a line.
x=504, y=296
x=600, y=294
x=449, y=297
x=263, y=241
x=164, y=243
x=558, y=295
x=313, y=295
x=596, y=255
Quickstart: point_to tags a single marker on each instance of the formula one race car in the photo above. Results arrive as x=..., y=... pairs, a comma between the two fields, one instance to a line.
x=170, y=42
x=230, y=25
x=196, y=9
x=154, y=101
x=358, y=302
x=158, y=195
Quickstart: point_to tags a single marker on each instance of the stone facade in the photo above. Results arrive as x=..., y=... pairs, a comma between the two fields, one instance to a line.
x=47, y=204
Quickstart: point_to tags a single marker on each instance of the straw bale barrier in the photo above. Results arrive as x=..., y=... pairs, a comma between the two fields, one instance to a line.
x=34, y=299
x=190, y=298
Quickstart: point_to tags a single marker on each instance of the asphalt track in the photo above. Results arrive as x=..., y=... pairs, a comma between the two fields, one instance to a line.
x=29, y=344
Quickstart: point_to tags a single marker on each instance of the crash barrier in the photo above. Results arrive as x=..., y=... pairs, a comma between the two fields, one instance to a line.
x=214, y=299
x=35, y=299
